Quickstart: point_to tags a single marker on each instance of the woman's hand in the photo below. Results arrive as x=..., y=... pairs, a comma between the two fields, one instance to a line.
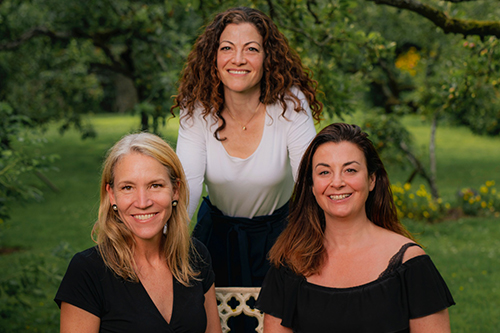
x=75, y=320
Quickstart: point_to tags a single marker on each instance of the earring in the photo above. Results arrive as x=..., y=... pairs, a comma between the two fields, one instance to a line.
x=115, y=208
x=174, y=203
x=165, y=227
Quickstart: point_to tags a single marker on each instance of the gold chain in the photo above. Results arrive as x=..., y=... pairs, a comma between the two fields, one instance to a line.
x=244, y=127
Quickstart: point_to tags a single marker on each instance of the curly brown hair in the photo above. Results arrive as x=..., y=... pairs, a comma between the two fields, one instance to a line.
x=300, y=245
x=283, y=69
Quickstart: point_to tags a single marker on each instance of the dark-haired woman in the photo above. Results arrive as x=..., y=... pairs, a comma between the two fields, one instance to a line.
x=247, y=115
x=345, y=263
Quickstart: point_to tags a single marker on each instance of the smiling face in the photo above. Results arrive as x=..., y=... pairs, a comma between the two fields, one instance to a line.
x=341, y=183
x=240, y=58
x=143, y=193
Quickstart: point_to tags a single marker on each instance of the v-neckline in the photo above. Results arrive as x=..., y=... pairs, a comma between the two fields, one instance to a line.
x=174, y=281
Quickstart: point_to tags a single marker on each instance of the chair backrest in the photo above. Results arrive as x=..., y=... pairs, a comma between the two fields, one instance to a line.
x=242, y=295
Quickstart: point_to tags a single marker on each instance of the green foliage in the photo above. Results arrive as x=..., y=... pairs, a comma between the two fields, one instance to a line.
x=418, y=204
x=25, y=289
x=387, y=133
x=482, y=202
x=18, y=158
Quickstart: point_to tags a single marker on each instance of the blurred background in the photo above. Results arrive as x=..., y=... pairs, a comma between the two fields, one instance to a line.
x=422, y=78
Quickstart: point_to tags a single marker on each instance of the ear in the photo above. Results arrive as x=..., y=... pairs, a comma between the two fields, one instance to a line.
x=176, y=186
x=373, y=181
x=111, y=194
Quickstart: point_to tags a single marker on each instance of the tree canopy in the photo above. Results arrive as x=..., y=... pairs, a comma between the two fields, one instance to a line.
x=62, y=60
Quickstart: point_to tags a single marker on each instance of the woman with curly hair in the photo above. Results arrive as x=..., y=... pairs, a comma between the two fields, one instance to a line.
x=145, y=274
x=247, y=111
x=345, y=263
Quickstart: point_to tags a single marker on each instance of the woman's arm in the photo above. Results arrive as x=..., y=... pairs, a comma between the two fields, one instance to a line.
x=438, y=322
x=75, y=320
x=273, y=325
x=213, y=320
x=192, y=151
x=300, y=133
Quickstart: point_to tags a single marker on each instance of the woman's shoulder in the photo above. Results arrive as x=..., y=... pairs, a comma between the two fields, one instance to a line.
x=393, y=243
x=197, y=117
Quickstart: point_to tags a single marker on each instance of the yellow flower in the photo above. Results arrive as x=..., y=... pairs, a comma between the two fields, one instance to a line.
x=471, y=201
x=412, y=196
x=407, y=186
x=426, y=214
x=490, y=183
x=483, y=189
x=484, y=204
x=410, y=215
x=447, y=205
x=493, y=191
x=439, y=201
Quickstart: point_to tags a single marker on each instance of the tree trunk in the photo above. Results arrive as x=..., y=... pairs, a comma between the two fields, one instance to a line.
x=432, y=157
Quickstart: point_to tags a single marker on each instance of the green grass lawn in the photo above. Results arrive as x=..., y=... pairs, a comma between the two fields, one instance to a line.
x=466, y=251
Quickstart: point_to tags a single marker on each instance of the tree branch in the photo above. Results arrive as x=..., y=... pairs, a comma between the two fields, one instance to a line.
x=442, y=20
x=32, y=33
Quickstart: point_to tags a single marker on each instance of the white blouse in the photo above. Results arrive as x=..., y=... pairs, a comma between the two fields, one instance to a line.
x=254, y=186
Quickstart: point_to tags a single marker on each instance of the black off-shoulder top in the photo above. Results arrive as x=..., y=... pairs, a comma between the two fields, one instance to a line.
x=402, y=292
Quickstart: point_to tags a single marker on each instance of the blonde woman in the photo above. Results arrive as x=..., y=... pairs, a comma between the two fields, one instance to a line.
x=145, y=274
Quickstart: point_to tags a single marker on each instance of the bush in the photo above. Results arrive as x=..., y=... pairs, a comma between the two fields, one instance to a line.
x=482, y=202
x=417, y=204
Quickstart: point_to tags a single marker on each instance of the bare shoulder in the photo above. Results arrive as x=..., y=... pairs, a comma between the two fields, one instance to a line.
x=394, y=242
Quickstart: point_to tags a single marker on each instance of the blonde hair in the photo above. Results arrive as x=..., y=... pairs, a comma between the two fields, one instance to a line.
x=115, y=241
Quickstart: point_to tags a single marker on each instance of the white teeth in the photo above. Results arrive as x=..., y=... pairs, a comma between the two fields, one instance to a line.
x=144, y=217
x=238, y=72
x=339, y=196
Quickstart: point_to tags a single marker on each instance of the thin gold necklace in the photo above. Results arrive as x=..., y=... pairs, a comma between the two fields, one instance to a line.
x=244, y=127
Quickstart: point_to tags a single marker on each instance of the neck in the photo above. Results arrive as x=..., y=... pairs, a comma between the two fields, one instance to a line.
x=147, y=251
x=242, y=103
x=348, y=234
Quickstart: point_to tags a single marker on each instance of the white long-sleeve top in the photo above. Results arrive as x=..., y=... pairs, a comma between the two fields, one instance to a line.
x=253, y=186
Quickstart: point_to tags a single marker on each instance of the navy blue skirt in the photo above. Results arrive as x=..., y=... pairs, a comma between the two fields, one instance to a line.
x=238, y=245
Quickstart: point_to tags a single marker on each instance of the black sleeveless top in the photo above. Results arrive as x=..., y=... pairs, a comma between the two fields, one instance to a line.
x=402, y=292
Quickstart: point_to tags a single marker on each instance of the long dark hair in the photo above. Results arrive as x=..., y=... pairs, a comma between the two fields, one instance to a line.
x=283, y=69
x=300, y=245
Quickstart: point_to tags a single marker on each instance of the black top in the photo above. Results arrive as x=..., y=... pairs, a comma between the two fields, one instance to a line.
x=125, y=306
x=402, y=292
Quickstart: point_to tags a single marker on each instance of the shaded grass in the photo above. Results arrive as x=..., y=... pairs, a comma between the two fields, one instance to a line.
x=465, y=251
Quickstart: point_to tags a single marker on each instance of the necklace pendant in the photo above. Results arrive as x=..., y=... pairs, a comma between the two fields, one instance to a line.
x=244, y=128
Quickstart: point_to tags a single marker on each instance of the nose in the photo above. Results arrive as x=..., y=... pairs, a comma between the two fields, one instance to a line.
x=239, y=58
x=337, y=181
x=143, y=199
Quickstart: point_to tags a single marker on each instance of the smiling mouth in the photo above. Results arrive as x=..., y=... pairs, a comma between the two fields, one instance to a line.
x=144, y=216
x=339, y=196
x=237, y=72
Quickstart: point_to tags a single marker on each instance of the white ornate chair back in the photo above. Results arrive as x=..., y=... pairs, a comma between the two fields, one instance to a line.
x=242, y=295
